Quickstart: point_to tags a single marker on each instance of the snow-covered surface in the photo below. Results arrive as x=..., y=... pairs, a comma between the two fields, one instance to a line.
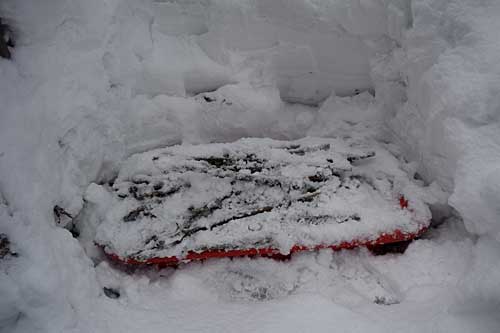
x=253, y=193
x=92, y=82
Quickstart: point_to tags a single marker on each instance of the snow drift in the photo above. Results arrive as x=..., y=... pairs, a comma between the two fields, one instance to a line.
x=92, y=82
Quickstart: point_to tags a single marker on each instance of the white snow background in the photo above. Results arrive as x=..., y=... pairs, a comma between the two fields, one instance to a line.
x=92, y=82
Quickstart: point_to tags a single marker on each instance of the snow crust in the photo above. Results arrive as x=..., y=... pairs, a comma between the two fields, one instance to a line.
x=92, y=82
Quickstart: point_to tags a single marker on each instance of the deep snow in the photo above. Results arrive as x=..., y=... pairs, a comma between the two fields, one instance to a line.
x=92, y=82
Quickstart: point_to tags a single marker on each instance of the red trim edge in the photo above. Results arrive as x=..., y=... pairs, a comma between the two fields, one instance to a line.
x=385, y=238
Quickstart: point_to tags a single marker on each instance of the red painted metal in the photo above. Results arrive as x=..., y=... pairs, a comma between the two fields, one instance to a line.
x=384, y=238
x=403, y=202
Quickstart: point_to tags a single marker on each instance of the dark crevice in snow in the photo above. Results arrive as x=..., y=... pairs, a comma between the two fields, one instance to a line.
x=6, y=40
x=111, y=292
x=5, y=247
x=391, y=248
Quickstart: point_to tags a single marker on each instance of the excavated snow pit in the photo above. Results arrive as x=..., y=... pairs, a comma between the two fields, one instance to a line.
x=93, y=86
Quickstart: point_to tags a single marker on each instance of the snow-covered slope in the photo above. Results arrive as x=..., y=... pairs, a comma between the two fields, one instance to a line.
x=92, y=82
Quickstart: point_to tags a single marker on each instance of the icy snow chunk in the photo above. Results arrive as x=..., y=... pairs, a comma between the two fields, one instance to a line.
x=144, y=59
x=299, y=79
x=240, y=110
x=180, y=17
x=177, y=60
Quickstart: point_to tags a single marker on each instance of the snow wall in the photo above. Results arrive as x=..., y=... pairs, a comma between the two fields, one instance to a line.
x=449, y=114
x=88, y=87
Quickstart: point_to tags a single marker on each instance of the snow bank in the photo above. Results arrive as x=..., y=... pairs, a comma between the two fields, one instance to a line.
x=446, y=103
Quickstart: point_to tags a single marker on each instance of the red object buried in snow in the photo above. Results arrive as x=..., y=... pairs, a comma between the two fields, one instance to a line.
x=255, y=197
x=385, y=238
